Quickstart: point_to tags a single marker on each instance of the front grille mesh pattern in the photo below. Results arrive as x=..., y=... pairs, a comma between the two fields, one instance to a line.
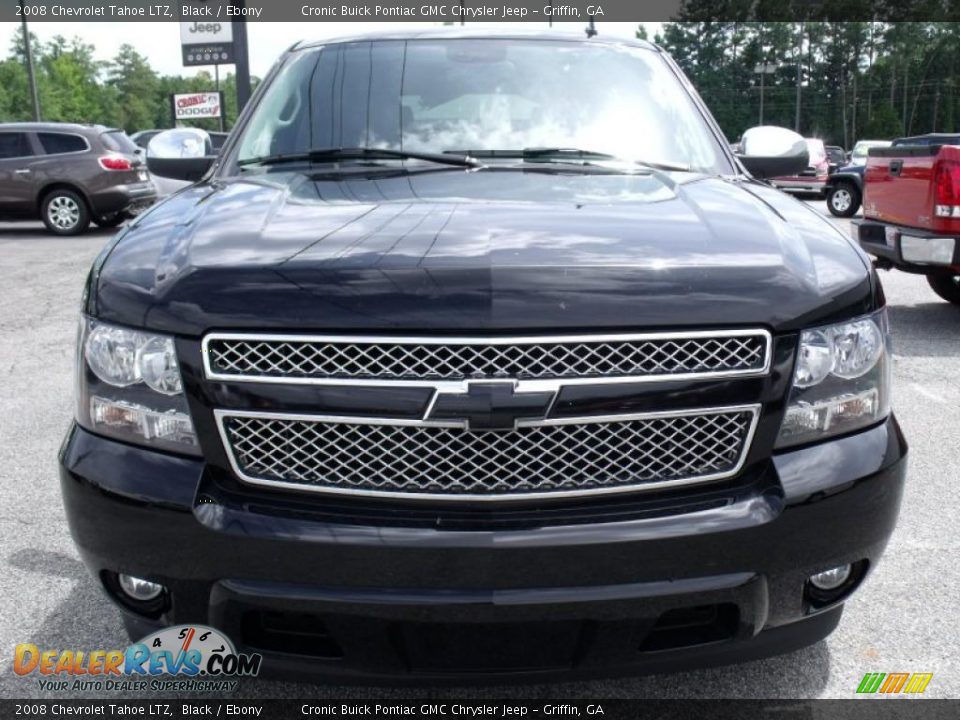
x=412, y=460
x=400, y=360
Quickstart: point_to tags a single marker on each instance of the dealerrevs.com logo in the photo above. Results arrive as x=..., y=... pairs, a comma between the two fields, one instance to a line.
x=177, y=658
x=894, y=683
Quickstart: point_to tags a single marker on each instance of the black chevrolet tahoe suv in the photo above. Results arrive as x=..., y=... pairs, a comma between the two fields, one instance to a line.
x=482, y=355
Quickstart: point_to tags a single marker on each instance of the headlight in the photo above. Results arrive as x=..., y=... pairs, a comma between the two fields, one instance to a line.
x=841, y=380
x=129, y=388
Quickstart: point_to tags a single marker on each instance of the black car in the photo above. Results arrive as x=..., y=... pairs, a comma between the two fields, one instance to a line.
x=445, y=371
x=68, y=175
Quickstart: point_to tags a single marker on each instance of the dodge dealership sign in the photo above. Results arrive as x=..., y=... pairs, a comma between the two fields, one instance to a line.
x=188, y=106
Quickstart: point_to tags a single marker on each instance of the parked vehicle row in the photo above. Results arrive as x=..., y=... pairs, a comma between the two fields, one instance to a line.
x=812, y=179
x=825, y=162
x=844, y=188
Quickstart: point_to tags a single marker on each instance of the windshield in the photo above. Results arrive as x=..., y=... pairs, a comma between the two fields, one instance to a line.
x=457, y=95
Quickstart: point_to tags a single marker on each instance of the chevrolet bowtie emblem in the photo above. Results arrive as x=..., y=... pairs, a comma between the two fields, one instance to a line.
x=491, y=405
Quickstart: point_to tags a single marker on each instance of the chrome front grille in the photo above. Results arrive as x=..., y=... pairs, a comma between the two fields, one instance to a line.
x=589, y=358
x=424, y=460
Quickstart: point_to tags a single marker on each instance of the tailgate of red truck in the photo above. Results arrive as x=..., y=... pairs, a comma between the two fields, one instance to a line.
x=898, y=185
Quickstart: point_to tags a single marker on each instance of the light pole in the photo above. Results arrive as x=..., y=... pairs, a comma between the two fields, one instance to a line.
x=796, y=119
x=31, y=78
x=763, y=69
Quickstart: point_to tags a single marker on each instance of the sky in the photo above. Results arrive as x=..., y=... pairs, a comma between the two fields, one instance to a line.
x=160, y=41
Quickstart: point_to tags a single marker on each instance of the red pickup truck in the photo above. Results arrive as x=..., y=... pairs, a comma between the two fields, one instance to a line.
x=911, y=210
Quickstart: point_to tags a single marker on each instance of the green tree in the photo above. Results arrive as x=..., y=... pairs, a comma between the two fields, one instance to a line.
x=136, y=90
x=68, y=80
x=883, y=123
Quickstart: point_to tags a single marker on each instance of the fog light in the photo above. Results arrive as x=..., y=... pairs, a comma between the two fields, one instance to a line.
x=138, y=588
x=831, y=579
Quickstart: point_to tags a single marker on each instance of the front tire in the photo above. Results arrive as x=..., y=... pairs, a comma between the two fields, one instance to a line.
x=843, y=200
x=65, y=212
x=946, y=286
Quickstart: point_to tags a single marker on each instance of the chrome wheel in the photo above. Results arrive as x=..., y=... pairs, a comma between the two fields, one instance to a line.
x=841, y=200
x=63, y=212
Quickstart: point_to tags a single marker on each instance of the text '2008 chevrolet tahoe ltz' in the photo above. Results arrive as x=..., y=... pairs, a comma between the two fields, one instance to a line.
x=481, y=355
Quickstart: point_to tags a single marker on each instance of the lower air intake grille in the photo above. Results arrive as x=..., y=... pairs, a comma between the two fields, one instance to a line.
x=548, y=459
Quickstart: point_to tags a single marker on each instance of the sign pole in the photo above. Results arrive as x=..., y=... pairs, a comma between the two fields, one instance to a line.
x=31, y=78
x=242, y=61
x=216, y=82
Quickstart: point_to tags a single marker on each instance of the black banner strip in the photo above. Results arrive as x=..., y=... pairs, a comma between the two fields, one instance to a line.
x=861, y=709
x=472, y=11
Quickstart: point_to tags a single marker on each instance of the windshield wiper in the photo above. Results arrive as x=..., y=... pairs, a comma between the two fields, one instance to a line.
x=549, y=154
x=333, y=154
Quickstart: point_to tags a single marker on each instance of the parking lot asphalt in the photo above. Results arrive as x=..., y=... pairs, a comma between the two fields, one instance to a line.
x=903, y=620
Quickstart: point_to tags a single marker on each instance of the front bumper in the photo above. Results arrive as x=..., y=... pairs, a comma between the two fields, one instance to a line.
x=385, y=601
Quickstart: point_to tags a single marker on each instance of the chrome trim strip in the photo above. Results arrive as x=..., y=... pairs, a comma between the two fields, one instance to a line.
x=222, y=415
x=454, y=385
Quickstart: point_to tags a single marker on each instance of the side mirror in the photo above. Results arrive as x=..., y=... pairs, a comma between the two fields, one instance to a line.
x=769, y=151
x=181, y=154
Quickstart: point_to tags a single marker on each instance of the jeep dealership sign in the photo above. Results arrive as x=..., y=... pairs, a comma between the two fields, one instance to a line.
x=190, y=106
x=206, y=36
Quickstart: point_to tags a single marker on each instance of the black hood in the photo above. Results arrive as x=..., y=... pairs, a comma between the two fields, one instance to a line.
x=495, y=249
